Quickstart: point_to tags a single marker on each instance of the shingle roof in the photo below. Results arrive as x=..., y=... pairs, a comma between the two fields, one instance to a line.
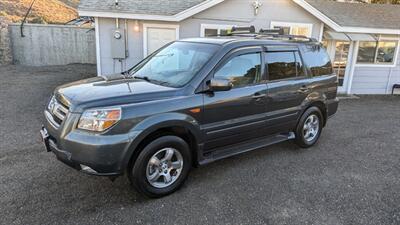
x=149, y=7
x=360, y=15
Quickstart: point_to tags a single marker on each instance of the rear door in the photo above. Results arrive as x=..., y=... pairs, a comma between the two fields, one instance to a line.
x=287, y=87
x=238, y=114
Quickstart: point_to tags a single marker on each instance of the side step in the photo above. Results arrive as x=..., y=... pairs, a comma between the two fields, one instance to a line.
x=224, y=152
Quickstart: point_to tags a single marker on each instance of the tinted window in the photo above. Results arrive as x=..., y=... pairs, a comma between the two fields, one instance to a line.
x=281, y=65
x=176, y=64
x=299, y=65
x=242, y=70
x=317, y=59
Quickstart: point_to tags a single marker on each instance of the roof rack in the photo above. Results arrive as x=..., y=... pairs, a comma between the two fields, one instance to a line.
x=276, y=33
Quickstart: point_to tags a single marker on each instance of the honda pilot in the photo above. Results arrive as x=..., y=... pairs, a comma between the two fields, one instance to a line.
x=192, y=102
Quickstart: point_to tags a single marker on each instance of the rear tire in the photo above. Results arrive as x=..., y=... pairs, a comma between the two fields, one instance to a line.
x=161, y=167
x=309, y=127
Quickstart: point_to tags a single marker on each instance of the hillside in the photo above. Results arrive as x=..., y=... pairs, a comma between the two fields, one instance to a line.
x=43, y=11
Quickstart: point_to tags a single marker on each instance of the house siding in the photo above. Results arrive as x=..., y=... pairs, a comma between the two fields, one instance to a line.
x=230, y=12
x=375, y=80
x=241, y=13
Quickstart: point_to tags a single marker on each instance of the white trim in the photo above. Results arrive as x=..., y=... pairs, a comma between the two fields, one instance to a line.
x=293, y=24
x=153, y=25
x=349, y=67
x=173, y=18
x=98, y=54
x=340, y=28
x=218, y=27
x=353, y=62
x=321, y=32
x=389, y=38
x=387, y=65
x=196, y=9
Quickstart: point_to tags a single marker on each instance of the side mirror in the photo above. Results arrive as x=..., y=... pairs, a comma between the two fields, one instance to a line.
x=217, y=84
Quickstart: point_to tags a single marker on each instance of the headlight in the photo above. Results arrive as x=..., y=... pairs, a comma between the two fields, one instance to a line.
x=99, y=119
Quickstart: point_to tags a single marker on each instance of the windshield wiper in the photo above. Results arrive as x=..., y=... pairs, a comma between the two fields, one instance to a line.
x=146, y=78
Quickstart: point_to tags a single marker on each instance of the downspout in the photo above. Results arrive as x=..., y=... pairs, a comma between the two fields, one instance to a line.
x=126, y=44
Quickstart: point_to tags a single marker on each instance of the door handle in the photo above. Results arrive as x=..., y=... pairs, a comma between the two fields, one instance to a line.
x=258, y=96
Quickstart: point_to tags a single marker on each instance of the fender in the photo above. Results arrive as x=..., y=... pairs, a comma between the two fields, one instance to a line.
x=314, y=97
x=156, y=122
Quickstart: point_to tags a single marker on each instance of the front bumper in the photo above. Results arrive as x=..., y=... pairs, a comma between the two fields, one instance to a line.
x=102, y=155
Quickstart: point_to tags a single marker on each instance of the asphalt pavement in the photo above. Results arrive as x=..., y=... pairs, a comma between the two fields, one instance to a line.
x=352, y=176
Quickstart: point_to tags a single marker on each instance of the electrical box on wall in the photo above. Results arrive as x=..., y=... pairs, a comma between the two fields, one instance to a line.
x=118, y=44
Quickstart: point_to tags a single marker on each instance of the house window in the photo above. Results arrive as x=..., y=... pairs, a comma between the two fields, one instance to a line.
x=379, y=52
x=303, y=29
x=208, y=30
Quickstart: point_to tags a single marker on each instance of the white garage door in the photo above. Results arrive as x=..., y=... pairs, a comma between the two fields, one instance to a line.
x=158, y=37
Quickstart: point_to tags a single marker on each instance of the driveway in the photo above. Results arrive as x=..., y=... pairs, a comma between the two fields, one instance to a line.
x=352, y=176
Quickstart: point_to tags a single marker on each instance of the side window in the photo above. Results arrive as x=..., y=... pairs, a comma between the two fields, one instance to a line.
x=281, y=65
x=317, y=60
x=242, y=70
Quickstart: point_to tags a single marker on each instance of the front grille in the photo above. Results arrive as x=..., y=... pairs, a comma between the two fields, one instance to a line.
x=57, y=112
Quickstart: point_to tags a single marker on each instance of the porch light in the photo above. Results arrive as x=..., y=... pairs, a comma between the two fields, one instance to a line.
x=136, y=26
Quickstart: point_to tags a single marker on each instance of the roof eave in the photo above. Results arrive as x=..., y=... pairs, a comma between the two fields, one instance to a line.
x=172, y=18
x=338, y=28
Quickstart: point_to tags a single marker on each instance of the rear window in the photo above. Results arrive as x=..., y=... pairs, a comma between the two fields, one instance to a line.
x=317, y=60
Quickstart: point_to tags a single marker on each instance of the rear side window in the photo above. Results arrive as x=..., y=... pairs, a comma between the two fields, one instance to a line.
x=284, y=65
x=317, y=60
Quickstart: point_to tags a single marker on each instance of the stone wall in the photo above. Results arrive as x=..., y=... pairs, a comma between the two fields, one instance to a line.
x=5, y=43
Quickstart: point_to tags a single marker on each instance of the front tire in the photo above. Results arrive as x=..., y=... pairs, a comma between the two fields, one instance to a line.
x=309, y=127
x=161, y=167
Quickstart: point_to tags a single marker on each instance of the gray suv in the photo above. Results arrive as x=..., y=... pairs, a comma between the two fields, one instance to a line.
x=190, y=103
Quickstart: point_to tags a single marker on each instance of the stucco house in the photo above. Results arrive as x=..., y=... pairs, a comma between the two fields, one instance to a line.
x=362, y=39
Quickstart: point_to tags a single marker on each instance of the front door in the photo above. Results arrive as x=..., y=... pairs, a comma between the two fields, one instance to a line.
x=340, y=61
x=156, y=36
x=339, y=52
x=236, y=115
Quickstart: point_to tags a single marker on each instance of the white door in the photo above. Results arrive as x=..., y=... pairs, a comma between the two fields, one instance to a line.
x=341, y=55
x=156, y=37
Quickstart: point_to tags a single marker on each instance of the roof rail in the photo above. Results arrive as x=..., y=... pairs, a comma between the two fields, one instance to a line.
x=275, y=33
x=287, y=37
x=241, y=30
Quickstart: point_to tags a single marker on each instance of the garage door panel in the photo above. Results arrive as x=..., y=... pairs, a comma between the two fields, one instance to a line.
x=158, y=37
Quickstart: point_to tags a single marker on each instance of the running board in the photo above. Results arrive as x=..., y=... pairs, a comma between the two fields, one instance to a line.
x=224, y=152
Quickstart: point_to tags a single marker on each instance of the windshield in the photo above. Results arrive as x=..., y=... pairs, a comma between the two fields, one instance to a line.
x=175, y=65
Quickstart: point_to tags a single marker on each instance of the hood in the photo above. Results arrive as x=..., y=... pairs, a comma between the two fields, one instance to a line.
x=108, y=91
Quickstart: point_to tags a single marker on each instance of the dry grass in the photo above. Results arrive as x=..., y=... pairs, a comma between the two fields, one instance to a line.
x=43, y=11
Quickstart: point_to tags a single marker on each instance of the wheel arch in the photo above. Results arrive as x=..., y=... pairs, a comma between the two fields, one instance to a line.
x=316, y=100
x=181, y=125
x=322, y=107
